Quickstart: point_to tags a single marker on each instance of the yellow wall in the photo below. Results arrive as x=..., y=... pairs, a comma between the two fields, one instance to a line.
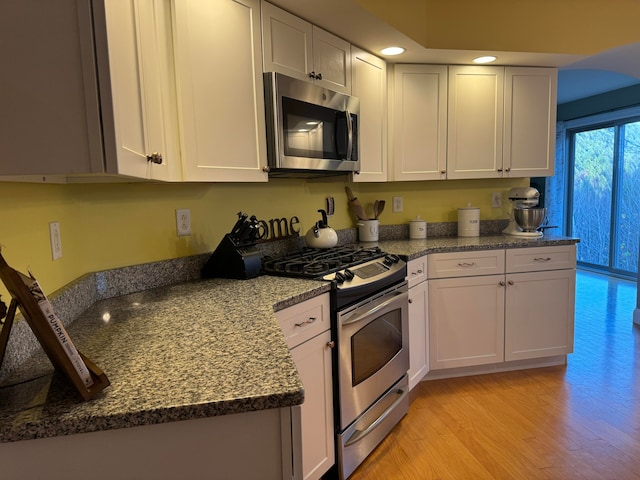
x=579, y=27
x=105, y=226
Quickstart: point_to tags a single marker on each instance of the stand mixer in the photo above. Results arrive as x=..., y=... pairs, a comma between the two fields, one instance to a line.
x=521, y=197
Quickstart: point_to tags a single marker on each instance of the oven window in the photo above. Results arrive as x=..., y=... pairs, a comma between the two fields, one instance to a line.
x=373, y=346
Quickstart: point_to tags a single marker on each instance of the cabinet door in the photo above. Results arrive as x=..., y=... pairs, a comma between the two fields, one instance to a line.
x=418, y=333
x=313, y=361
x=142, y=91
x=530, y=121
x=50, y=112
x=476, y=119
x=288, y=43
x=466, y=321
x=369, y=84
x=220, y=90
x=331, y=61
x=420, y=122
x=539, y=314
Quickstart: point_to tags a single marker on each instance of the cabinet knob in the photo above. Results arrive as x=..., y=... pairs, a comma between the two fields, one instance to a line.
x=155, y=157
x=508, y=169
x=500, y=170
x=319, y=76
x=312, y=75
x=410, y=301
x=331, y=344
x=443, y=172
x=502, y=284
x=510, y=282
x=266, y=169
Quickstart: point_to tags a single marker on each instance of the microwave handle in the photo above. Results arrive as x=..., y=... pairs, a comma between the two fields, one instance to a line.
x=349, y=135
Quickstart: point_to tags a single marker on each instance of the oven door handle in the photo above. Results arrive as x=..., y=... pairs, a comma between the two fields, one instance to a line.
x=357, y=316
x=360, y=434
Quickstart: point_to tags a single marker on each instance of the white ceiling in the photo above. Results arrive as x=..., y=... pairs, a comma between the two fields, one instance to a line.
x=579, y=76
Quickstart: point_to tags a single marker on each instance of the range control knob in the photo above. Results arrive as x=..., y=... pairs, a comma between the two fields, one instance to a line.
x=391, y=259
x=340, y=278
x=348, y=274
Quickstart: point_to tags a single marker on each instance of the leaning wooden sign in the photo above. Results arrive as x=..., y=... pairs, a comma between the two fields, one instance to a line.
x=27, y=295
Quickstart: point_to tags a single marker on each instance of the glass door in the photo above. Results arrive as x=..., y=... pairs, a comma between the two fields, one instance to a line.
x=604, y=197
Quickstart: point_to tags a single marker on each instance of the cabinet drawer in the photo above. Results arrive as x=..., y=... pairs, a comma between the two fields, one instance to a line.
x=541, y=258
x=465, y=264
x=305, y=320
x=417, y=270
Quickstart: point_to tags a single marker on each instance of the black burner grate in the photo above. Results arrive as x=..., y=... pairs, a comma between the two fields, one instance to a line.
x=317, y=262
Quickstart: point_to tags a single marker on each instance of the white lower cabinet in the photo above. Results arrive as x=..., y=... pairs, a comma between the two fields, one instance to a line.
x=418, y=320
x=307, y=329
x=522, y=309
x=466, y=324
x=540, y=305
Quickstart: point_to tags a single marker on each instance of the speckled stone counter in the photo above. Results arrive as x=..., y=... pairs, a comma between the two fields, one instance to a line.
x=410, y=249
x=192, y=350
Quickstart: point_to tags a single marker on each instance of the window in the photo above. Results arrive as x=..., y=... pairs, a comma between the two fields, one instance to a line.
x=603, y=203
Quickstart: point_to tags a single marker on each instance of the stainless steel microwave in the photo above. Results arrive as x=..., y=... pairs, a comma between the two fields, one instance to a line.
x=311, y=130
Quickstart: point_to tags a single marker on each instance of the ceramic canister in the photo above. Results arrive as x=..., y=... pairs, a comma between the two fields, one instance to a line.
x=417, y=228
x=469, y=222
x=368, y=230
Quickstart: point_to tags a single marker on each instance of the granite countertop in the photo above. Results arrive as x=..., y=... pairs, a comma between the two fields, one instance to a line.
x=197, y=349
x=411, y=249
x=190, y=350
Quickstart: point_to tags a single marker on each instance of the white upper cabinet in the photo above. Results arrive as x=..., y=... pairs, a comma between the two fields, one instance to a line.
x=90, y=93
x=369, y=75
x=301, y=50
x=142, y=89
x=220, y=90
x=501, y=122
x=462, y=122
x=420, y=122
x=530, y=105
x=475, y=123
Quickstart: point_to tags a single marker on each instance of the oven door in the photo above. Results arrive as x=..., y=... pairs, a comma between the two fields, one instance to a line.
x=373, y=350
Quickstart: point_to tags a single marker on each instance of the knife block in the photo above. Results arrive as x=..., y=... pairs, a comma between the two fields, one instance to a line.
x=231, y=260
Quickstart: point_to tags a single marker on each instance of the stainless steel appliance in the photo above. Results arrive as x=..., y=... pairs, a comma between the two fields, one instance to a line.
x=370, y=327
x=310, y=130
x=522, y=197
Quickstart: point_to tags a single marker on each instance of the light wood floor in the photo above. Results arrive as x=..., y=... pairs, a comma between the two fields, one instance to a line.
x=577, y=422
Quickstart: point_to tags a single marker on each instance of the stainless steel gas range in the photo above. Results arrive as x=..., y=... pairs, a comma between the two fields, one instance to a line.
x=370, y=328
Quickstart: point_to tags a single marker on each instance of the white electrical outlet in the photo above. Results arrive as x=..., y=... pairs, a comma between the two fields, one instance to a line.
x=183, y=222
x=56, y=241
x=496, y=199
x=397, y=204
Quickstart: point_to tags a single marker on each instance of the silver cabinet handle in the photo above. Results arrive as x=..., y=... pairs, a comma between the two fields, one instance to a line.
x=331, y=344
x=542, y=259
x=466, y=265
x=301, y=324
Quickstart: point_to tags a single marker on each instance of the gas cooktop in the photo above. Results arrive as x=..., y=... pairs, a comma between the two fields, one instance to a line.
x=317, y=262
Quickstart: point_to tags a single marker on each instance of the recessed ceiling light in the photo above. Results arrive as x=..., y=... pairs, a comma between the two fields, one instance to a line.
x=392, y=51
x=485, y=59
